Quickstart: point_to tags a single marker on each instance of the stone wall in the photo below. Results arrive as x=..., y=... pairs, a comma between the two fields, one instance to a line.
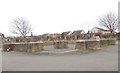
x=111, y=42
x=21, y=47
x=48, y=43
x=24, y=47
x=107, y=42
x=37, y=47
x=87, y=45
x=7, y=46
x=72, y=41
x=93, y=44
x=103, y=43
x=80, y=45
x=60, y=44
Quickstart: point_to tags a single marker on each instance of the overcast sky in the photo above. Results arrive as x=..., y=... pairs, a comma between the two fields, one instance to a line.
x=55, y=16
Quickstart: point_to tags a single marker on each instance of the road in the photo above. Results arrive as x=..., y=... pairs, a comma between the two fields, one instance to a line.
x=102, y=60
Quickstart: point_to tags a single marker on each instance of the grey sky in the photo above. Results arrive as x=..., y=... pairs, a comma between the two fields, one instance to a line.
x=55, y=16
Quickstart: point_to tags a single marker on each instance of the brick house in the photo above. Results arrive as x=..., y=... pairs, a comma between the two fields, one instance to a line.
x=45, y=36
x=66, y=35
x=96, y=31
x=2, y=35
x=118, y=35
x=78, y=34
x=102, y=33
x=55, y=36
x=99, y=30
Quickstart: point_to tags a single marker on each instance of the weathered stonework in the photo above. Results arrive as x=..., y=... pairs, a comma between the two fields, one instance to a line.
x=111, y=42
x=92, y=44
x=87, y=45
x=24, y=47
x=60, y=45
x=103, y=43
x=80, y=45
x=107, y=42
x=8, y=46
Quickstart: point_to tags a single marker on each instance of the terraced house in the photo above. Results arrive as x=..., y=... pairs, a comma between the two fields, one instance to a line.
x=1, y=35
x=66, y=35
x=77, y=34
x=96, y=31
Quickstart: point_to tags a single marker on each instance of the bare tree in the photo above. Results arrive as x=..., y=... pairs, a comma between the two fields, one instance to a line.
x=109, y=21
x=20, y=26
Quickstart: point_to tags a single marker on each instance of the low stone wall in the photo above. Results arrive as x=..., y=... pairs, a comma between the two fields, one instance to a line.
x=80, y=45
x=7, y=46
x=60, y=44
x=87, y=45
x=103, y=43
x=93, y=44
x=107, y=42
x=24, y=47
x=111, y=42
x=21, y=47
x=72, y=41
x=48, y=43
x=37, y=47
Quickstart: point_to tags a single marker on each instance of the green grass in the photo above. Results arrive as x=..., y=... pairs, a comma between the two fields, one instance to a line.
x=118, y=39
x=108, y=38
x=42, y=41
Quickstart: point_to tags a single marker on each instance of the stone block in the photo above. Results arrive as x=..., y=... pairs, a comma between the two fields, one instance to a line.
x=111, y=42
x=103, y=43
x=8, y=46
x=37, y=47
x=60, y=45
x=24, y=47
x=20, y=47
x=92, y=44
x=81, y=45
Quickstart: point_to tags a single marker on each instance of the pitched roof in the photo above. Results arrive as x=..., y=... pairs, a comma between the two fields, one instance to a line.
x=76, y=32
x=101, y=29
x=66, y=33
x=1, y=34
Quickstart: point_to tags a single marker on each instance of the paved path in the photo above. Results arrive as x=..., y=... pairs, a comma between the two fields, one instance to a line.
x=102, y=60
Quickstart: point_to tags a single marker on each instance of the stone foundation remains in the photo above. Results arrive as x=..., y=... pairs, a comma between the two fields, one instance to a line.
x=80, y=45
x=24, y=47
x=60, y=44
x=93, y=44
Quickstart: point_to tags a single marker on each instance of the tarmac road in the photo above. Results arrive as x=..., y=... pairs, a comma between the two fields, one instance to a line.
x=102, y=60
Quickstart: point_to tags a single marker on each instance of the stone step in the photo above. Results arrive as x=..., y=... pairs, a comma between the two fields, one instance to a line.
x=59, y=52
